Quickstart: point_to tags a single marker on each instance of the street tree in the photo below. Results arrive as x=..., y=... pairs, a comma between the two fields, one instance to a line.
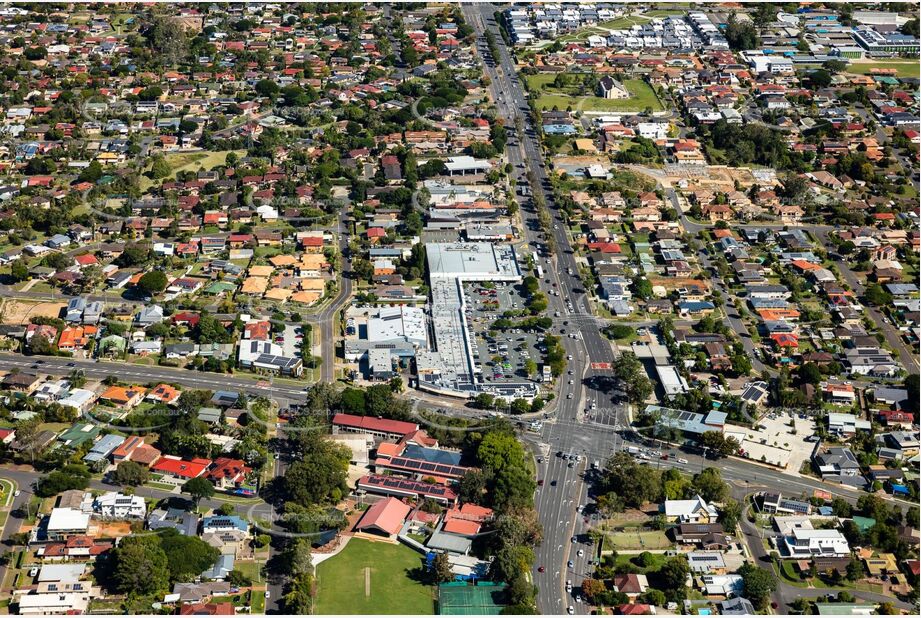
x=198, y=488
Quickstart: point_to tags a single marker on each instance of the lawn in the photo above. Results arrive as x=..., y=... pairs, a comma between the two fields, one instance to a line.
x=341, y=581
x=192, y=161
x=642, y=96
x=904, y=68
x=629, y=563
x=648, y=539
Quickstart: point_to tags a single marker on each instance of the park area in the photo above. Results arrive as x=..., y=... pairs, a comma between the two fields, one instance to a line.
x=575, y=97
x=369, y=577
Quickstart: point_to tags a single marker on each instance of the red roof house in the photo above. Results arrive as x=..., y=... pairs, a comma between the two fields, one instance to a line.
x=384, y=517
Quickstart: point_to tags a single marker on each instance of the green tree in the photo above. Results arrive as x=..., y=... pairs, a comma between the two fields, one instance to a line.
x=633, y=484
x=741, y=35
x=758, y=584
x=674, y=573
x=630, y=372
x=210, y=330
x=198, y=488
x=140, y=566
x=319, y=475
x=159, y=168
x=441, y=569
x=130, y=474
x=19, y=270
x=876, y=295
x=39, y=344
x=70, y=476
x=730, y=514
x=709, y=484
x=499, y=450
x=187, y=556
x=153, y=282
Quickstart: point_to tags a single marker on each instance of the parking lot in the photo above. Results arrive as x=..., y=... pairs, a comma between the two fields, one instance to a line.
x=291, y=340
x=501, y=356
x=771, y=440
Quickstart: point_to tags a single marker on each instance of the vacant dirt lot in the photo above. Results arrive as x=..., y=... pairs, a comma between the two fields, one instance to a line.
x=20, y=311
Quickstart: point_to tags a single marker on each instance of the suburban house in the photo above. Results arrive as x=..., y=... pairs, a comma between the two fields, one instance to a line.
x=689, y=511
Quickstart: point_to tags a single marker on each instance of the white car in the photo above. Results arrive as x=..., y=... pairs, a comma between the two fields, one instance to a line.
x=16, y=493
x=570, y=610
x=580, y=553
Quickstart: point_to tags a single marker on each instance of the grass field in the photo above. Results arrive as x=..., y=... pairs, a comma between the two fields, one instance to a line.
x=648, y=539
x=191, y=161
x=341, y=581
x=642, y=96
x=904, y=68
x=629, y=563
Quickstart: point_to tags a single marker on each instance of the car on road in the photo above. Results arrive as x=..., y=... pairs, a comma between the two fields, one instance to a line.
x=267, y=593
x=541, y=569
x=570, y=564
x=580, y=553
x=16, y=493
x=570, y=610
x=71, y=364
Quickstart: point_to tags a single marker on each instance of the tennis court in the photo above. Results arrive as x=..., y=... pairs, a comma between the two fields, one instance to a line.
x=462, y=599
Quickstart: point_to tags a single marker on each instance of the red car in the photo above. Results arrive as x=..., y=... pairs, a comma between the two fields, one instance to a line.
x=540, y=569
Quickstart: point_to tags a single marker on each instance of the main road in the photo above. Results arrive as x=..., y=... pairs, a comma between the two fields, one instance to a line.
x=143, y=374
x=563, y=488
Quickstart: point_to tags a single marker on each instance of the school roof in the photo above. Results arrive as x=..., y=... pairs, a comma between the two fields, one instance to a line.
x=370, y=423
x=384, y=516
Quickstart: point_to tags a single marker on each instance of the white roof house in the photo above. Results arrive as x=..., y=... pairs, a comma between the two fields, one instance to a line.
x=117, y=505
x=66, y=573
x=65, y=521
x=841, y=422
x=78, y=398
x=465, y=164
x=50, y=603
x=690, y=511
x=807, y=543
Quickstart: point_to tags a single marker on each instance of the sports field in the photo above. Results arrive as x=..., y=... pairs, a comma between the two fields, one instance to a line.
x=368, y=577
x=903, y=68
